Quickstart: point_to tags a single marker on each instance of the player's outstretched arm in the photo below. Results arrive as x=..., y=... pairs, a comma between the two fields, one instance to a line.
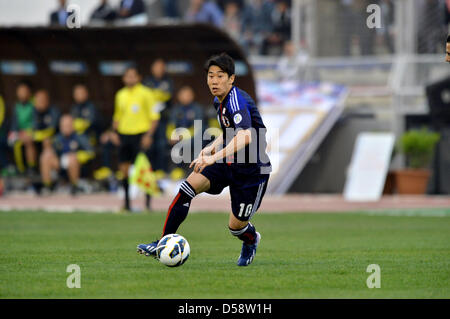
x=206, y=155
x=239, y=141
x=211, y=148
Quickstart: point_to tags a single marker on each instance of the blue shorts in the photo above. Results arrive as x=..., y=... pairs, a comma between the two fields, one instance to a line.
x=246, y=190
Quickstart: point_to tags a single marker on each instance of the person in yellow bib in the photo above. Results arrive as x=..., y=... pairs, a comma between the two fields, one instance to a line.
x=135, y=120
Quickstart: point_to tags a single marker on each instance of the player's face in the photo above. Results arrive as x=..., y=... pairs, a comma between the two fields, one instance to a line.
x=131, y=78
x=80, y=94
x=186, y=96
x=66, y=125
x=23, y=93
x=41, y=101
x=219, y=82
x=158, y=69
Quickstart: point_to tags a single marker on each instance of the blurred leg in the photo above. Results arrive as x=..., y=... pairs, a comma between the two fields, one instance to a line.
x=30, y=150
x=73, y=169
x=124, y=167
x=48, y=162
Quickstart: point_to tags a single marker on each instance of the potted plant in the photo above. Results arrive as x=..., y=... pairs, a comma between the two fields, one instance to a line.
x=418, y=148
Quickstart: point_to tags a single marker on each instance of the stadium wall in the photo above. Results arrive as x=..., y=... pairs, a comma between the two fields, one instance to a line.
x=327, y=169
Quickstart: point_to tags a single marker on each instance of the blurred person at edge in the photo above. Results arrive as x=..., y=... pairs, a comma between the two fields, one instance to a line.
x=352, y=22
x=104, y=12
x=292, y=65
x=170, y=8
x=256, y=25
x=161, y=85
x=367, y=36
x=223, y=3
x=447, y=14
x=129, y=8
x=59, y=16
x=204, y=11
x=388, y=24
x=281, y=26
x=431, y=26
x=232, y=19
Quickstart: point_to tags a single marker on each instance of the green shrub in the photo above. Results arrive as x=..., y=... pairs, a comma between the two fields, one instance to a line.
x=418, y=147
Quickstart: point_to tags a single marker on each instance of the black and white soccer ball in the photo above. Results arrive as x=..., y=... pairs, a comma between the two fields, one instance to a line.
x=173, y=250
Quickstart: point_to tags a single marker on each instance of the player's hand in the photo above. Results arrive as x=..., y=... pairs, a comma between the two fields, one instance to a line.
x=207, y=151
x=146, y=141
x=201, y=162
x=114, y=138
x=25, y=136
x=47, y=143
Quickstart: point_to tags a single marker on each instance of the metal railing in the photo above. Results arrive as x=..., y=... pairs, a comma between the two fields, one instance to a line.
x=339, y=27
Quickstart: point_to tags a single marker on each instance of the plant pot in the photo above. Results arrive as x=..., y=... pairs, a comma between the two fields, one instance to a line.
x=412, y=181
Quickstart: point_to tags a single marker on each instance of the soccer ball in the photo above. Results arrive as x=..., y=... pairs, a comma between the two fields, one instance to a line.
x=173, y=250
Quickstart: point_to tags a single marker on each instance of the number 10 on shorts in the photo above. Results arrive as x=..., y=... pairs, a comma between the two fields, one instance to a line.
x=247, y=209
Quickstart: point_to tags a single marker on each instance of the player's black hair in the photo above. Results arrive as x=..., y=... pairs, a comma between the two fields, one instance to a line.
x=41, y=89
x=80, y=84
x=132, y=67
x=223, y=61
x=26, y=83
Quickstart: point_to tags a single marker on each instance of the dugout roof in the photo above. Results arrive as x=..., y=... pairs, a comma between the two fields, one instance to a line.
x=57, y=58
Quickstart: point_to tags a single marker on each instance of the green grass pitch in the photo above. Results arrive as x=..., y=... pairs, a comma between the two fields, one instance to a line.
x=300, y=256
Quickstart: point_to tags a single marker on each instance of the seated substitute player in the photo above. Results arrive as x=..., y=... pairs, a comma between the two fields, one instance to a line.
x=84, y=113
x=45, y=125
x=242, y=129
x=67, y=152
x=21, y=131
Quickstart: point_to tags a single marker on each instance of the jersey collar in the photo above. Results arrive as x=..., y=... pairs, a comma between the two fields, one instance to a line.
x=135, y=87
x=227, y=97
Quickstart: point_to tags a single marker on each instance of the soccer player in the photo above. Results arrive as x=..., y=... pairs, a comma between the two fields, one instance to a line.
x=220, y=163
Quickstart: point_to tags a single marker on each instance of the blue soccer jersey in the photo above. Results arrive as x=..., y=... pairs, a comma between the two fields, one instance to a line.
x=238, y=111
